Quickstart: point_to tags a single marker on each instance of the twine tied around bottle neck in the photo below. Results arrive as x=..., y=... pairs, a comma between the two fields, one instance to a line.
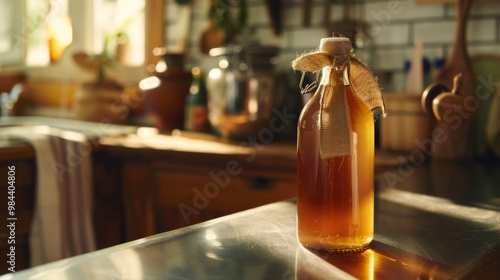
x=333, y=56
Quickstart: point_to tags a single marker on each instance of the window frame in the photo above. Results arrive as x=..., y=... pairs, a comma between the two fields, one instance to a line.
x=16, y=54
x=80, y=13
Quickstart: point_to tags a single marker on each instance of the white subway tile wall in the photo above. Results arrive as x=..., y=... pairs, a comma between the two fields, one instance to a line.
x=390, y=34
x=401, y=10
x=396, y=24
x=435, y=31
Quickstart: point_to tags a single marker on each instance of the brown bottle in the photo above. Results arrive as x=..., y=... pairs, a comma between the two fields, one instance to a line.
x=335, y=200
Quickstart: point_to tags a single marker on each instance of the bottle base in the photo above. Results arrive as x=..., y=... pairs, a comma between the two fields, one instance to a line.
x=336, y=247
x=337, y=250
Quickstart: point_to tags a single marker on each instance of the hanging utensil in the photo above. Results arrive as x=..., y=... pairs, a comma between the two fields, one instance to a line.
x=275, y=12
x=456, y=124
x=306, y=12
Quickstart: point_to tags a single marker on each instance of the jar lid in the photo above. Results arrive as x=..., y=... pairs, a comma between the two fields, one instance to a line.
x=335, y=45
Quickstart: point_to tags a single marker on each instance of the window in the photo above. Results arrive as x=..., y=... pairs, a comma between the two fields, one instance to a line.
x=117, y=27
x=48, y=31
x=11, y=32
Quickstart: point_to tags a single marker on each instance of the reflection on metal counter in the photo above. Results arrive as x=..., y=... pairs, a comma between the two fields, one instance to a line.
x=430, y=224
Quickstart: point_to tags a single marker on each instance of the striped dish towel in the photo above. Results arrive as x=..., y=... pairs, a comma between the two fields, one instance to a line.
x=62, y=223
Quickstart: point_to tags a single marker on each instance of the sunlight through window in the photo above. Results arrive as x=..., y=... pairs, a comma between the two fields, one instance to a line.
x=118, y=30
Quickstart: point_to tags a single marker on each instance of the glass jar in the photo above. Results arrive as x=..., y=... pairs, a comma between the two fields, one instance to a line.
x=335, y=200
x=244, y=90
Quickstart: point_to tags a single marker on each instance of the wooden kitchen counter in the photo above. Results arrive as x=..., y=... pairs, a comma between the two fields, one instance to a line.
x=169, y=182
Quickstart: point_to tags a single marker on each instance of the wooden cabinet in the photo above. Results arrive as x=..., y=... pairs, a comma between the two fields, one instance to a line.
x=184, y=196
x=165, y=189
x=140, y=190
x=108, y=208
x=160, y=196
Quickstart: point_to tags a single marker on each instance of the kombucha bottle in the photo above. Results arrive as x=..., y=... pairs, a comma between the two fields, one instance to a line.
x=335, y=200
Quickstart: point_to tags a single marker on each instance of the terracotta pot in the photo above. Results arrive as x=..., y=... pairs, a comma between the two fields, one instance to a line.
x=165, y=93
x=101, y=101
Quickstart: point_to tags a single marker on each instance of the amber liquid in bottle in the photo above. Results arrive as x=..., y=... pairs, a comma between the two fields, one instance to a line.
x=335, y=200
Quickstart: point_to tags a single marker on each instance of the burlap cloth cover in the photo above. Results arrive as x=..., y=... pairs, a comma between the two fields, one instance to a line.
x=333, y=56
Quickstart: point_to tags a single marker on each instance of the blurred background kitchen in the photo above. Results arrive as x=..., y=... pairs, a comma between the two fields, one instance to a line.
x=57, y=47
x=61, y=48
x=190, y=85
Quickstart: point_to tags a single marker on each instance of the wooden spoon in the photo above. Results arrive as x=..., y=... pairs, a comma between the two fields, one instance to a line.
x=455, y=144
x=275, y=11
x=457, y=62
x=306, y=12
x=451, y=102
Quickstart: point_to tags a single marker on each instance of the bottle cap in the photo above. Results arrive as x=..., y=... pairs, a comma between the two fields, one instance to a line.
x=335, y=45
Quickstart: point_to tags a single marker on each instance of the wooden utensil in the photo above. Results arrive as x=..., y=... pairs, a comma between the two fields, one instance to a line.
x=275, y=12
x=306, y=12
x=450, y=101
x=455, y=144
x=457, y=62
x=327, y=11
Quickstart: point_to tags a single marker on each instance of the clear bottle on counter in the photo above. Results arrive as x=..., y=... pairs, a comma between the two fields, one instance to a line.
x=196, y=110
x=335, y=146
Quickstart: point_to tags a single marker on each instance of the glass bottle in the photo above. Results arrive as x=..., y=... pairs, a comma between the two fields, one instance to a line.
x=335, y=200
x=196, y=111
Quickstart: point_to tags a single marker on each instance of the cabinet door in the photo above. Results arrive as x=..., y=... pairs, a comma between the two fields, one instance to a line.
x=108, y=208
x=186, y=196
x=137, y=195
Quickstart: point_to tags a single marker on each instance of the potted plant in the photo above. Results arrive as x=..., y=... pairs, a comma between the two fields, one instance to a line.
x=100, y=100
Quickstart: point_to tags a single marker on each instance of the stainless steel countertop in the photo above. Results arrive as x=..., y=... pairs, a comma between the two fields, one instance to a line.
x=425, y=228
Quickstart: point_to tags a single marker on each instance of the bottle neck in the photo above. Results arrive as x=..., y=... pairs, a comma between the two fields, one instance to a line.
x=326, y=75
